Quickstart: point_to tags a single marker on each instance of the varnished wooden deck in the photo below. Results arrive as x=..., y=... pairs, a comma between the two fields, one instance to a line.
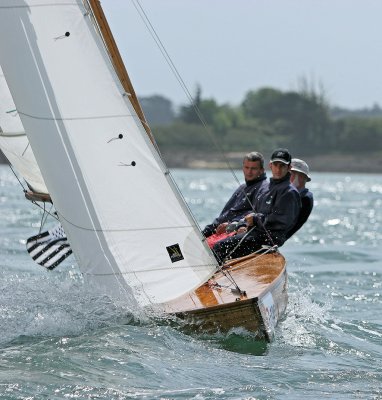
x=218, y=306
x=252, y=274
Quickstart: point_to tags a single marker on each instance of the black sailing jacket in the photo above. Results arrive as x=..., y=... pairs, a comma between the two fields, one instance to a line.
x=240, y=203
x=306, y=209
x=280, y=205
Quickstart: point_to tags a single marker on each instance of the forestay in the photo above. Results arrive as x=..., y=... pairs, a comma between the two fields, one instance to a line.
x=14, y=143
x=125, y=222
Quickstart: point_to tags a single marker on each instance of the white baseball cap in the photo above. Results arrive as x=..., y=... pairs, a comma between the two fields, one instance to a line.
x=300, y=166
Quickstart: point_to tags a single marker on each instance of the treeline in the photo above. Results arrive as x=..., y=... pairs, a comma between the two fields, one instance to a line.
x=301, y=120
x=267, y=118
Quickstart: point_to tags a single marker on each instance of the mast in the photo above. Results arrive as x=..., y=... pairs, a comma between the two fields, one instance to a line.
x=118, y=63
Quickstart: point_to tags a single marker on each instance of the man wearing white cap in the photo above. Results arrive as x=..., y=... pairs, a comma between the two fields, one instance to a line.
x=299, y=177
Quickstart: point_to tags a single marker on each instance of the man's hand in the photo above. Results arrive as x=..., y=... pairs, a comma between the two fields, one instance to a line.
x=221, y=228
x=254, y=219
x=249, y=219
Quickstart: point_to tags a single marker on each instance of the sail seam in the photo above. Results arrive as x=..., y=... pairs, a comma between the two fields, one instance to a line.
x=40, y=5
x=12, y=134
x=78, y=118
x=149, y=270
x=131, y=230
x=125, y=230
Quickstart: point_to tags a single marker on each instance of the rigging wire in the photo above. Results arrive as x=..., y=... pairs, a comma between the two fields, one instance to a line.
x=246, y=234
x=14, y=173
x=44, y=210
x=261, y=252
x=197, y=110
x=180, y=80
x=183, y=85
x=189, y=96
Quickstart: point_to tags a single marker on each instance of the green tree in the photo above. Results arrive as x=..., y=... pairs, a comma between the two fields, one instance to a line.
x=302, y=118
x=263, y=104
x=189, y=113
x=355, y=135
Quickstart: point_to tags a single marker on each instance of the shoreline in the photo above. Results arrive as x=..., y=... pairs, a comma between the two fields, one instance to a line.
x=352, y=163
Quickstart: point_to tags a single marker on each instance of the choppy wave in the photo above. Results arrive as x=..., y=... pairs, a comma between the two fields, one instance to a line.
x=60, y=339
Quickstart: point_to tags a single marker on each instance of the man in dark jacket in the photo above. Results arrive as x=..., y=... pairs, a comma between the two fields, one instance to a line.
x=240, y=203
x=299, y=177
x=276, y=206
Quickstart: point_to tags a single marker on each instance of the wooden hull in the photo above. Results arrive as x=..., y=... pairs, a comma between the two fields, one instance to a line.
x=218, y=306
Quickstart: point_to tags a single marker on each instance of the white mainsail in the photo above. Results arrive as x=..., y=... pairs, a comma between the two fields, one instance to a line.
x=125, y=222
x=14, y=142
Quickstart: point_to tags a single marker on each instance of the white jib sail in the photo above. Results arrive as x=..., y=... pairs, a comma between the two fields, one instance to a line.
x=125, y=223
x=14, y=142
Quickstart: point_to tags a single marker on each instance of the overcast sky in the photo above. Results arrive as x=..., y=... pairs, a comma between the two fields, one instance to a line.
x=232, y=46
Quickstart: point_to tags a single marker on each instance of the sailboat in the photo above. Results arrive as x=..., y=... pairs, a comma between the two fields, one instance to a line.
x=130, y=230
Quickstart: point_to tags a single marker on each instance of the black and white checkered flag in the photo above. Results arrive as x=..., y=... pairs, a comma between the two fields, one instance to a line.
x=49, y=248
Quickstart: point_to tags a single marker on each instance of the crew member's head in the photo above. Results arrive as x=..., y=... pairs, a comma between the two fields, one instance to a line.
x=280, y=163
x=253, y=166
x=299, y=173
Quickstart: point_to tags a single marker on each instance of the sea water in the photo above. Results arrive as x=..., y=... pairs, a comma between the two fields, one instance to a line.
x=59, y=340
